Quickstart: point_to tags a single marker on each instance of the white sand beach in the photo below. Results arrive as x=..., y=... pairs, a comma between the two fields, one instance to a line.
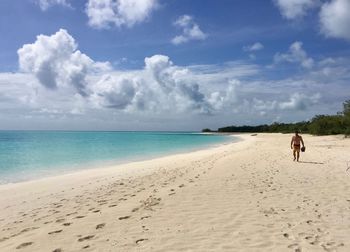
x=245, y=196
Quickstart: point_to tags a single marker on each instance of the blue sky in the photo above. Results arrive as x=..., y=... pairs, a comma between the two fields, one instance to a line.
x=175, y=64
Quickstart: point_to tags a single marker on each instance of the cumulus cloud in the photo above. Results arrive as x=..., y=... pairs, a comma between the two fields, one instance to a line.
x=334, y=15
x=103, y=14
x=163, y=86
x=296, y=54
x=55, y=61
x=177, y=84
x=114, y=93
x=225, y=99
x=335, y=19
x=254, y=47
x=46, y=4
x=263, y=105
x=139, y=98
x=159, y=86
x=75, y=86
x=190, y=30
x=57, y=64
x=299, y=101
x=294, y=9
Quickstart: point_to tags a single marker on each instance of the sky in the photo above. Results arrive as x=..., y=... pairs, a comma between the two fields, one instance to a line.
x=170, y=64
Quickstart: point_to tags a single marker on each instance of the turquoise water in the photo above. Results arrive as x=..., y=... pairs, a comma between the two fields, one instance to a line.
x=26, y=155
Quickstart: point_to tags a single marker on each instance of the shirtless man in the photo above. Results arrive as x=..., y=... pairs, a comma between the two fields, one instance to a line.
x=295, y=145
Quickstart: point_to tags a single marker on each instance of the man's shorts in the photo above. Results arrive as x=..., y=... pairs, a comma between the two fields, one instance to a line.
x=296, y=148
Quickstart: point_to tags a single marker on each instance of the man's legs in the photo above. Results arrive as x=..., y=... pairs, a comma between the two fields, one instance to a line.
x=298, y=154
x=294, y=153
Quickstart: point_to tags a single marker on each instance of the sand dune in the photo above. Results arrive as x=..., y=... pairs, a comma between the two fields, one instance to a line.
x=246, y=196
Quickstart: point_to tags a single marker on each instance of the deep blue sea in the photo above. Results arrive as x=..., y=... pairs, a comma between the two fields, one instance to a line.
x=26, y=155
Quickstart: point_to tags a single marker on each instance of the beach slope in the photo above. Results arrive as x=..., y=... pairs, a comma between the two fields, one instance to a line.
x=245, y=196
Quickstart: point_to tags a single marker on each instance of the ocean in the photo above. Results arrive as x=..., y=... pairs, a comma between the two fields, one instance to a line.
x=27, y=155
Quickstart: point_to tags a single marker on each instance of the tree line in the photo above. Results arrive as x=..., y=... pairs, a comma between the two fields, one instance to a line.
x=318, y=125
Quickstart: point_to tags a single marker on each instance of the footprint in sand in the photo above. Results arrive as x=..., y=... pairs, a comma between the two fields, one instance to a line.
x=3, y=239
x=124, y=217
x=99, y=226
x=144, y=228
x=294, y=246
x=150, y=202
x=55, y=232
x=27, y=229
x=23, y=245
x=67, y=224
x=57, y=250
x=69, y=214
x=86, y=238
x=140, y=240
x=80, y=217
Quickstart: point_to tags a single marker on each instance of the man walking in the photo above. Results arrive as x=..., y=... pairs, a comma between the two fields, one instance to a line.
x=295, y=145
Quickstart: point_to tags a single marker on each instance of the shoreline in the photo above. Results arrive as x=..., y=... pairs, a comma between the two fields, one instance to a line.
x=101, y=164
x=243, y=196
x=120, y=169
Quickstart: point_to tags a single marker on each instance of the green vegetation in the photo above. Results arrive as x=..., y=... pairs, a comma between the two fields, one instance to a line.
x=319, y=125
x=206, y=130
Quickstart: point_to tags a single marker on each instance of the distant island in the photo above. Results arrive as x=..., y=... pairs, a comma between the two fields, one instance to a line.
x=319, y=125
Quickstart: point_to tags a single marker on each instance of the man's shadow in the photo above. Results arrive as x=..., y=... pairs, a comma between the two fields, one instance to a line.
x=309, y=162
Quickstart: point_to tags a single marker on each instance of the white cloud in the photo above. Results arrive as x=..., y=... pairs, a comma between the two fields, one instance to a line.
x=335, y=19
x=114, y=93
x=334, y=15
x=183, y=96
x=254, y=47
x=294, y=9
x=160, y=86
x=176, y=84
x=46, y=4
x=299, y=101
x=55, y=61
x=59, y=66
x=225, y=99
x=190, y=30
x=135, y=99
x=296, y=54
x=263, y=105
x=103, y=14
x=226, y=70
